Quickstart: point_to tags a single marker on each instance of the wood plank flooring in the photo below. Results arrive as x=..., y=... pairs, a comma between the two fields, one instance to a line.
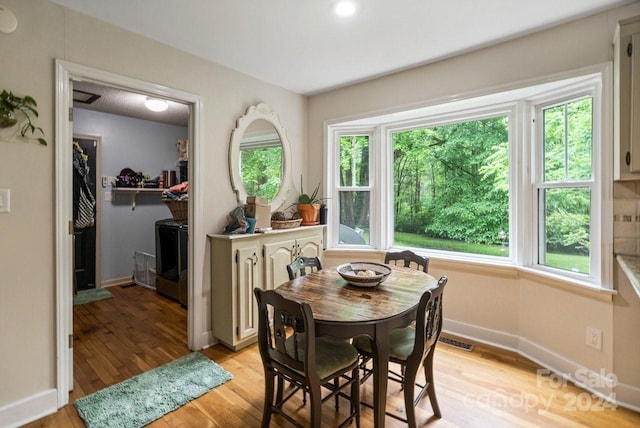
x=138, y=330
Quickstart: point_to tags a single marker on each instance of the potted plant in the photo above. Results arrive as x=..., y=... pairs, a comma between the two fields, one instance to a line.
x=309, y=206
x=9, y=104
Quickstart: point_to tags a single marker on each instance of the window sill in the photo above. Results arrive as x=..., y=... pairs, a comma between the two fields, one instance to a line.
x=494, y=268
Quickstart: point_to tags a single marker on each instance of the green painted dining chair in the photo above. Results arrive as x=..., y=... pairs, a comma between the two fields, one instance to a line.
x=413, y=347
x=292, y=353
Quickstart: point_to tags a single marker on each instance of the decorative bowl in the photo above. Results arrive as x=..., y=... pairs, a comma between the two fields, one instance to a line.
x=364, y=274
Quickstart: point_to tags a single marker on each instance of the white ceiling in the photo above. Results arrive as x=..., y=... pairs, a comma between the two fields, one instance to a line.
x=302, y=46
x=125, y=103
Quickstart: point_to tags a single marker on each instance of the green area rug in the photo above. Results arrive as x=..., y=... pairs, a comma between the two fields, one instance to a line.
x=146, y=397
x=92, y=295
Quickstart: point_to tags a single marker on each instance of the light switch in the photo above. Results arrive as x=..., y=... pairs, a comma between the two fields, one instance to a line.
x=108, y=196
x=5, y=200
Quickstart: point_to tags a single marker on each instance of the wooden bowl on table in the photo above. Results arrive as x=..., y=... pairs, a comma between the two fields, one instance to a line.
x=364, y=274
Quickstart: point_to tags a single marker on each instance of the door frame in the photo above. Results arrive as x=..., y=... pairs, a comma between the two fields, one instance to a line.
x=66, y=72
x=98, y=217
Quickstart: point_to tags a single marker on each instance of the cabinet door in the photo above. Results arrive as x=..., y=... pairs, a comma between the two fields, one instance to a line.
x=634, y=111
x=249, y=273
x=277, y=256
x=310, y=247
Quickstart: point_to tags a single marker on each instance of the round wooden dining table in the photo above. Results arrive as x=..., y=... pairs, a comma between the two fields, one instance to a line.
x=344, y=311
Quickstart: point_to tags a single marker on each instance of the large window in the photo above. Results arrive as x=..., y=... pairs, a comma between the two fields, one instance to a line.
x=516, y=177
x=451, y=187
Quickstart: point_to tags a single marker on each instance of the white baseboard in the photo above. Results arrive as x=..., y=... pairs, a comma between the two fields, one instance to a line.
x=598, y=383
x=628, y=396
x=29, y=409
x=116, y=281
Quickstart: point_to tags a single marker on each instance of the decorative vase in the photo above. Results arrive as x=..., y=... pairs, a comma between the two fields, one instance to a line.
x=309, y=213
x=7, y=119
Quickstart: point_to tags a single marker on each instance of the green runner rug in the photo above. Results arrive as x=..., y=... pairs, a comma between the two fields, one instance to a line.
x=92, y=295
x=150, y=395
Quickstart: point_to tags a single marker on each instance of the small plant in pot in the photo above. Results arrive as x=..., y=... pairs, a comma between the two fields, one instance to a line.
x=9, y=104
x=309, y=206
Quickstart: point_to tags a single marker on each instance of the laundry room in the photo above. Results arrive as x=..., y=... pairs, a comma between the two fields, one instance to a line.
x=131, y=162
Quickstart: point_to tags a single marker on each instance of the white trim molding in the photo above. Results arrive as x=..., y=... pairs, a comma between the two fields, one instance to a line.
x=197, y=336
x=601, y=384
x=29, y=409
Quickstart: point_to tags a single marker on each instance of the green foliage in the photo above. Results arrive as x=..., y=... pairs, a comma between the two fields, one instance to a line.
x=572, y=262
x=451, y=182
x=354, y=173
x=261, y=171
x=309, y=199
x=10, y=104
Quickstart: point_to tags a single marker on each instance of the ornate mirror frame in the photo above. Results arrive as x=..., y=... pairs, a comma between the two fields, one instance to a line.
x=253, y=113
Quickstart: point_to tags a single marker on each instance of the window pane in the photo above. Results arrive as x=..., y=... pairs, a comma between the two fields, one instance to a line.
x=579, y=139
x=451, y=187
x=354, y=218
x=354, y=161
x=567, y=141
x=565, y=228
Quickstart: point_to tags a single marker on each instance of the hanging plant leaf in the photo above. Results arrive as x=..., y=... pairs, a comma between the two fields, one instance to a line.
x=10, y=103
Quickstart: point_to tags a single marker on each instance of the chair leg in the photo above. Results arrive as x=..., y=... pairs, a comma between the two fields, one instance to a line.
x=409, y=396
x=431, y=389
x=355, y=395
x=268, y=398
x=316, y=406
x=280, y=389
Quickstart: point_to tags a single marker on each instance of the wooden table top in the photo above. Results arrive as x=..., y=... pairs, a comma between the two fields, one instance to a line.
x=332, y=299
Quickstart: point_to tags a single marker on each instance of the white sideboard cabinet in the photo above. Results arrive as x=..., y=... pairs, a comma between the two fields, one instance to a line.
x=626, y=108
x=240, y=263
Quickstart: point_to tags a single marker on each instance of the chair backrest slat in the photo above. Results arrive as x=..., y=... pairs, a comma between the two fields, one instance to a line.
x=287, y=337
x=407, y=257
x=300, y=265
x=429, y=320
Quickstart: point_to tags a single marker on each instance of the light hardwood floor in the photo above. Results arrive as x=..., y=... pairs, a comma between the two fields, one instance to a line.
x=138, y=330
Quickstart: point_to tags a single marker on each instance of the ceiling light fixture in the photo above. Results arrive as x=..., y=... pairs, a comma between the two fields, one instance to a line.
x=345, y=8
x=8, y=21
x=156, y=104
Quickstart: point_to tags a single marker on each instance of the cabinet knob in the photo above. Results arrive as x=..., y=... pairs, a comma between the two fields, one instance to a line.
x=629, y=49
x=627, y=158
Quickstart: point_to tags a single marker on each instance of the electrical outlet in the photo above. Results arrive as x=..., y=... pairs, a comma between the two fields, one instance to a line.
x=104, y=181
x=594, y=338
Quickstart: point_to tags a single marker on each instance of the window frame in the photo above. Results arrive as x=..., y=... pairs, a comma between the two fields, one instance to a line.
x=333, y=171
x=595, y=183
x=525, y=151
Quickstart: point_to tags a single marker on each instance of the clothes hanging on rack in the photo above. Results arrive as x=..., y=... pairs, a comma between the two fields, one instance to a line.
x=85, y=203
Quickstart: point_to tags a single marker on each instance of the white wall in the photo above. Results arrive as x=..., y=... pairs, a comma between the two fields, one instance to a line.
x=543, y=319
x=141, y=145
x=47, y=32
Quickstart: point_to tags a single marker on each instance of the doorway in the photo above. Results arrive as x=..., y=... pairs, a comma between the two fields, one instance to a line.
x=66, y=73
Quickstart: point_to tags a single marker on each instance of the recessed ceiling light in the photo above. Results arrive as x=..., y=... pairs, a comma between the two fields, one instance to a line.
x=345, y=8
x=156, y=104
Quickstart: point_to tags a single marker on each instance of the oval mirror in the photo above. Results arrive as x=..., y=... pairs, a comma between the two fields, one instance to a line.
x=259, y=157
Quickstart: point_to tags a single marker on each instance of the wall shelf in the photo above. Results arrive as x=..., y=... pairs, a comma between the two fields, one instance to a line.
x=135, y=191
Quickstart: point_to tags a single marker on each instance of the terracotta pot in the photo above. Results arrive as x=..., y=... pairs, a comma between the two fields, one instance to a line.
x=309, y=213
